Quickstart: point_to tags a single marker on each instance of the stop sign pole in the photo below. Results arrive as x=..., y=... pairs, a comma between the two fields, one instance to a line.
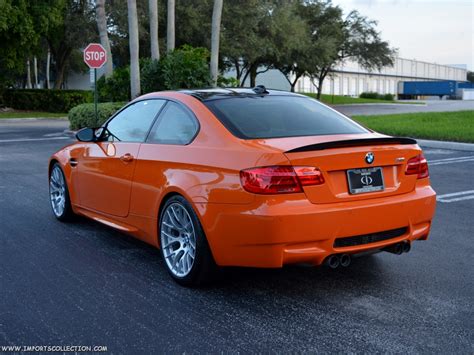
x=95, y=57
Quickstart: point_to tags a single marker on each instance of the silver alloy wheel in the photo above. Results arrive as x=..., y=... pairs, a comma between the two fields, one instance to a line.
x=178, y=239
x=57, y=191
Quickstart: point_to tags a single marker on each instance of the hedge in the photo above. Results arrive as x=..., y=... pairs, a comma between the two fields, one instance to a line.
x=84, y=115
x=45, y=100
x=374, y=95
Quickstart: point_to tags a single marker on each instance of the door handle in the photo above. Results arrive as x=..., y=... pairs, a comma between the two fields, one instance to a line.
x=73, y=162
x=126, y=158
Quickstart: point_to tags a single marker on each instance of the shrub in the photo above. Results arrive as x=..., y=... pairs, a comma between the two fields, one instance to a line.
x=227, y=82
x=183, y=68
x=84, y=115
x=369, y=95
x=44, y=99
x=374, y=95
x=115, y=88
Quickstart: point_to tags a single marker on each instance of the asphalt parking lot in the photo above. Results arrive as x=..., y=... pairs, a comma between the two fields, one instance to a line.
x=86, y=284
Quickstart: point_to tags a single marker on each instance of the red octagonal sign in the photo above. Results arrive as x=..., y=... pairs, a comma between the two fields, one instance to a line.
x=95, y=55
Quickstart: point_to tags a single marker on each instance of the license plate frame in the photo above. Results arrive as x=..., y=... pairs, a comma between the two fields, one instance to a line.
x=358, y=184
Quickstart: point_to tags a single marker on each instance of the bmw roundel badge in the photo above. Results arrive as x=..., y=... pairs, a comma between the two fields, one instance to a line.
x=369, y=157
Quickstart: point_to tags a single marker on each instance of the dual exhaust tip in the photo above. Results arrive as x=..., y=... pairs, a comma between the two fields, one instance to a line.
x=344, y=260
x=399, y=248
x=336, y=260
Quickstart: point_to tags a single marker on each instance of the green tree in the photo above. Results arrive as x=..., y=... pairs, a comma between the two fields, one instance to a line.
x=326, y=29
x=355, y=38
x=293, y=50
x=18, y=38
x=247, y=44
x=67, y=33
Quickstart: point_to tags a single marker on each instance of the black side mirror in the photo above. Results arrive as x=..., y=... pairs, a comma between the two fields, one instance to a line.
x=86, y=135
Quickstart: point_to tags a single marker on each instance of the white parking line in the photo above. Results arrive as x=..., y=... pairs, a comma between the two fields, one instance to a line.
x=57, y=134
x=470, y=197
x=450, y=160
x=456, y=196
x=447, y=159
x=31, y=139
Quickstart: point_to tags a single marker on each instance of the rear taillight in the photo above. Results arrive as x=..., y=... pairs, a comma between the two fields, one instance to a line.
x=280, y=179
x=308, y=175
x=418, y=166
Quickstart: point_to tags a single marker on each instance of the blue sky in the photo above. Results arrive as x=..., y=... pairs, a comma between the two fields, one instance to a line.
x=439, y=31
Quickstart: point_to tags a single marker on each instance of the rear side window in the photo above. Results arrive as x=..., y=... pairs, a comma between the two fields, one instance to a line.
x=175, y=125
x=280, y=116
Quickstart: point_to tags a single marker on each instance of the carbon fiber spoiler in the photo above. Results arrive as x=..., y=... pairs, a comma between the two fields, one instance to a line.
x=353, y=143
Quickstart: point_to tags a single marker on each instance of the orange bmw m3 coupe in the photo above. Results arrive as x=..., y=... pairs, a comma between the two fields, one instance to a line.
x=245, y=177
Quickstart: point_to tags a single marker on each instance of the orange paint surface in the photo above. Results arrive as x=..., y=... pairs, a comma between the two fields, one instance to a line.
x=124, y=184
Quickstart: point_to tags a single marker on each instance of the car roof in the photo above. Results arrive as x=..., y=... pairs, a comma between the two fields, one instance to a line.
x=223, y=93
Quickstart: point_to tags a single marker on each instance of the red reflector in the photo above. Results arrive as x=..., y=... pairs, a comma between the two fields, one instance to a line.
x=308, y=175
x=279, y=179
x=418, y=166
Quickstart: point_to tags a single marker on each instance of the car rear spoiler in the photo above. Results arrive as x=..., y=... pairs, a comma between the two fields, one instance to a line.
x=353, y=143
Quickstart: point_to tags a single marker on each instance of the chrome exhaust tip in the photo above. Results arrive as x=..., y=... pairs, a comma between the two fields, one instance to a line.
x=394, y=249
x=333, y=261
x=345, y=260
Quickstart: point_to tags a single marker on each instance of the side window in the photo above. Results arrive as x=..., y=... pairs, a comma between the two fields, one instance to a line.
x=174, y=126
x=133, y=123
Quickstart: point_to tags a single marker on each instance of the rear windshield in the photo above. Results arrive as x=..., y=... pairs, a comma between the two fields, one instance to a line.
x=256, y=117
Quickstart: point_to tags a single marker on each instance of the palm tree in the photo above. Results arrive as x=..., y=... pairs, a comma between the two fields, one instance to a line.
x=104, y=36
x=215, y=36
x=28, y=74
x=48, y=64
x=133, y=44
x=155, y=48
x=170, y=38
x=35, y=71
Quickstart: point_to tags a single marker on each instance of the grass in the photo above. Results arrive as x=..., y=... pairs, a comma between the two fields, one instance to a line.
x=455, y=126
x=31, y=114
x=346, y=100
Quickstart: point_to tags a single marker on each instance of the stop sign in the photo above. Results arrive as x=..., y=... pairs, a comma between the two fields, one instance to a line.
x=95, y=55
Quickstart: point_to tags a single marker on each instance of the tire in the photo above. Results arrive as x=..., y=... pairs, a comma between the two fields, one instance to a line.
x=59, y=195
x=183, y=244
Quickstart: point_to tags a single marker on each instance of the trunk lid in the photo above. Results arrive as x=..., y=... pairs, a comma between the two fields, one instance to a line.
x=335, y=157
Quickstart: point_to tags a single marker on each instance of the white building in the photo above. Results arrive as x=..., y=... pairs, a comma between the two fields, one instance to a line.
x=348, y=79
x=351, y=79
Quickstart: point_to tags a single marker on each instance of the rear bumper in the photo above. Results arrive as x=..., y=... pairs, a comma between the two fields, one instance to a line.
x=275, y=231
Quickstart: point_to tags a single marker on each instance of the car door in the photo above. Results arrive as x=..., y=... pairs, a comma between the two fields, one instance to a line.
x=105, y=171
x=172, y=131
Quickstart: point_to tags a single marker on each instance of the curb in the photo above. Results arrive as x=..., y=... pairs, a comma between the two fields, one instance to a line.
x=381, y=104
x=467, y=147
x=34, y=119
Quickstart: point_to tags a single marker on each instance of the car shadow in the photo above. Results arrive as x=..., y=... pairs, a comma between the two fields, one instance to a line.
x=367, y=271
